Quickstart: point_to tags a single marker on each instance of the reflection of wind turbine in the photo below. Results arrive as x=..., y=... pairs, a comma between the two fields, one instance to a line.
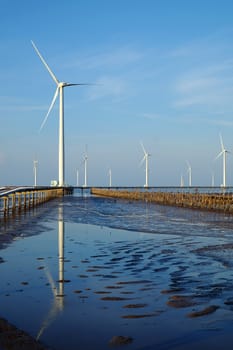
x=61, y=231
x=146, y=158
x=58, y=303
x=223, y=153
x=189, y=171
x=59, y=89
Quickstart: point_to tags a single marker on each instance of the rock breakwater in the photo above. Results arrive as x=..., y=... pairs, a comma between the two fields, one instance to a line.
x=203, y=201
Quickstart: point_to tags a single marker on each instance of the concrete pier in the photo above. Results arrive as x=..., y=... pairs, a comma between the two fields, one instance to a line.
x=203, y=201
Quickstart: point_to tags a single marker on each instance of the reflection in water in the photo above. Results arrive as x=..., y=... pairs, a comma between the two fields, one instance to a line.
x=61, y=231
x=58, y=293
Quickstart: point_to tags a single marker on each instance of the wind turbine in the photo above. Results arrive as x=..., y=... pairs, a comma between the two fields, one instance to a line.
x=189, y=171
x=146, y=158
x=223, y=153
x=85, y=159
x=59, y=90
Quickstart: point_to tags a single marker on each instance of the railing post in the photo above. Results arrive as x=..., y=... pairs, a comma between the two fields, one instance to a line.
x=6, y=205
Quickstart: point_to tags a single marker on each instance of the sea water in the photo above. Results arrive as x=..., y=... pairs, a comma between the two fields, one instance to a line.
x=81, y=270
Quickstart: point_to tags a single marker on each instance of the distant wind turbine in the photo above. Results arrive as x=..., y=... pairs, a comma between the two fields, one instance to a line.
x=189, y=171
x=146, y=159
x=223, y=153
x=85, y=159
x=59, y=90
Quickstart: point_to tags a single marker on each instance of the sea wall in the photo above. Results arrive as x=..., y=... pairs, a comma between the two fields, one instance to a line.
x=214, y=201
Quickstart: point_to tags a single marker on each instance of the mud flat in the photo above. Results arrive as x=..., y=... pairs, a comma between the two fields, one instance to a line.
x=169, y=288
x=15, y=339
x=214, y=202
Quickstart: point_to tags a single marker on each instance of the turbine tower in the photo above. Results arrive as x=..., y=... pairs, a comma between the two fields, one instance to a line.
x=59, y=90
x=77, y=178
x=181, y=181
x=35, y=163
x=189, y=171
x=110, y=177
x=146, y=159
x=223, y=153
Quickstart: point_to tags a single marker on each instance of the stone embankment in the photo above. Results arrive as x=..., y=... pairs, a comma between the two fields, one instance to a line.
x=203, y=201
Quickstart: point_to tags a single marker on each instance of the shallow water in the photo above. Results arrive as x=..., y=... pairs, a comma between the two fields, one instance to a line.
x=81, y=270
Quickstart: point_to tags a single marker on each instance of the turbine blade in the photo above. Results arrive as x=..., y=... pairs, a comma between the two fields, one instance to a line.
x=140, y=164
x=50, y=108
x=221, y=141
x=219, y=155
x=73, y=84
x=143, y=148
x=51, y=282
x=44, y=62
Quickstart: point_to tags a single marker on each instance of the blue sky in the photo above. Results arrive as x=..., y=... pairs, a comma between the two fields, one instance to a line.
x=163, y=71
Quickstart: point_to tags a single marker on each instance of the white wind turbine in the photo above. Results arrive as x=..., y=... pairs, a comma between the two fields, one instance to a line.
x=189, y=171
x=223, y=153
x=146, y=159
x=85, y=159
x=59, y=90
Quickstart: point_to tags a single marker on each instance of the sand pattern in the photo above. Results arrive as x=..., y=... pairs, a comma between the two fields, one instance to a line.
x=151, y=288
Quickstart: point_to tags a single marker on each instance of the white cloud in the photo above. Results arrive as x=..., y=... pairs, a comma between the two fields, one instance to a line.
x=115, y=57
x=209, y=85
x=113, y=87
x=203, y=73
x=8, y=103
x=212, y=45
x=210, y=121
